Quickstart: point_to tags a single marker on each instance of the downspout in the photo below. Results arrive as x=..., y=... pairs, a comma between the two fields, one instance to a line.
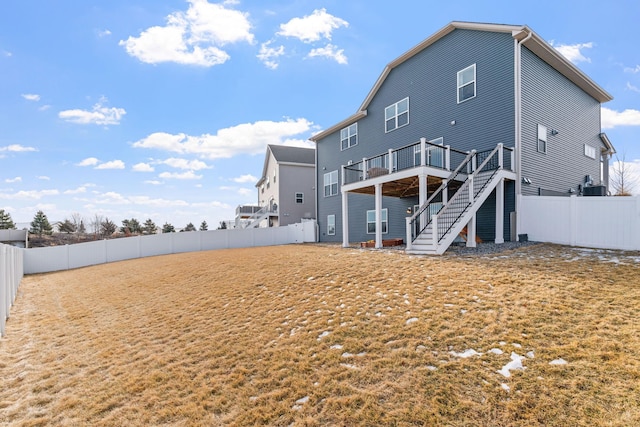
x=315, y=187
x=517, y=69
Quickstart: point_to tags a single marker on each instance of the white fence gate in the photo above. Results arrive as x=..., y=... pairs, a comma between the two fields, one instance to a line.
x=593, y=222
x=11, y=271
x=41, y=260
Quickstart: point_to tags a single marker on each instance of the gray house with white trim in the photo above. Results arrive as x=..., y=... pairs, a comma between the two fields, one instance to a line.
x=286, y=190
x=451, y=136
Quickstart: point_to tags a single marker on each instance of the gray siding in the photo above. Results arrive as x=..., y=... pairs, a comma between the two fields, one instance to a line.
x=296, y=179
x=429, y=80
x=550, y=99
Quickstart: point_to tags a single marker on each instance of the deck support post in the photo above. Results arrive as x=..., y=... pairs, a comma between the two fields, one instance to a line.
x=471, y=232
x=500, y=212
x=378, y=216
x=345, y=219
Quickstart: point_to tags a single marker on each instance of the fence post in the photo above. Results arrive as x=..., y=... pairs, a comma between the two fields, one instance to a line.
x=434, y=230
x=573, y=214
x=408, y=232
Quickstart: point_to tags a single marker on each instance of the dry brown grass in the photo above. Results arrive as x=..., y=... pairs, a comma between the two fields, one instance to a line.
x=251, y=336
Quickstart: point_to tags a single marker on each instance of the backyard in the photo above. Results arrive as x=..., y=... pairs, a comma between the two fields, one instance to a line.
x=319, y=335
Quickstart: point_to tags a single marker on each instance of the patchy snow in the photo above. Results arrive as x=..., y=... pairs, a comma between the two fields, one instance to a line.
x=299, y=403
x=349, y=366
x=465, y=354
x=432, y=368
x=505, y=387
x=559, y=361
x=322, y=335
x=336, y=347
x=514, y=365
x=495, y=351
x=345, y=354
x=412, y=320
x=531, y=355
x=516, y=345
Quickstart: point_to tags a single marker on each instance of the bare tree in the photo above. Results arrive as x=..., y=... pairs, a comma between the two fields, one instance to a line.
x=96, y=224
x=76, y=220
x=622, y=183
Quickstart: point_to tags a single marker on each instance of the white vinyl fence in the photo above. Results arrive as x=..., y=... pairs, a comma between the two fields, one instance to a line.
x=593, y=222
x=41, y=260
x=11, y=271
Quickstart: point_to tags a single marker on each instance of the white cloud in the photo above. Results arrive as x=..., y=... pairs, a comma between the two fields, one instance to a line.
x=44, y=178
x=17, y=148
x=633, y=88
x=310, y=28
x=99, y=115
x=79, y=190
x=153, y=182
x=330, y=51
x=184, y=175
x=633, y=70
x=12, y=180
x=573, y=52
x=113, y=164
x=160, y=203
x=104, y=33
x=29, y=195
x=243, y=179
x=7, y=53
x=194, y=37
x=31, y=96
x=269, y=55
x=247, y=138
x=611, y=118
x=143, y=167
x=194, y=165
x=89, y=161
x=246, y=192
x=44, y=107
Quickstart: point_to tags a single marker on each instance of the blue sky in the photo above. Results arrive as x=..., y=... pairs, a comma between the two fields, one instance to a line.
x=162, y=109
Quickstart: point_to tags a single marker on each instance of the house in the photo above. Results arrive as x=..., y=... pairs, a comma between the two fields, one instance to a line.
x=453, y=134
x=286, y=190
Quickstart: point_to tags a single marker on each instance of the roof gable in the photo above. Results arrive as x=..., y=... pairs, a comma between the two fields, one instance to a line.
x=519, y=32
x=284, y=154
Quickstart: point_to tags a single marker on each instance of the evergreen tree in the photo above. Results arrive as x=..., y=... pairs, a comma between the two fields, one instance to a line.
x=81, y=228
x=66, y=227
x=40, y=225
x=168, y=228
x=223, y=226
x=190, y=227
x=131, y=226
x=204, y=226
x=149, y=227
x=107, y=228
x=6, y=223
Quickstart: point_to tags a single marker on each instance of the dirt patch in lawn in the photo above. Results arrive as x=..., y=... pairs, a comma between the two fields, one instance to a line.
x=319, y=335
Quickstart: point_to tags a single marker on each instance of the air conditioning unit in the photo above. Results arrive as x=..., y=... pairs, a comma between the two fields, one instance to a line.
x=595, y=190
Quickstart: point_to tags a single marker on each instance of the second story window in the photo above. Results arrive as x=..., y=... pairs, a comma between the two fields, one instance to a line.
x=349, y=136
x=467, y=83
x=331, y=183
x=299, y=198
x=396, y=115
x=542, y=139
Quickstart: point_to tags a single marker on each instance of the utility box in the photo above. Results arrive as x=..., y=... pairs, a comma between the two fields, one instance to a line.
x=595, y=190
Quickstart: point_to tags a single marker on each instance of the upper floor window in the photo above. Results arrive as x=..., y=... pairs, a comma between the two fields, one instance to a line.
x=467, y=83
x=274, y=177
x=396, y=115
x=589, y=151
x=331, y=183
x=299, y=198
x=542, y=139
x=349, y=136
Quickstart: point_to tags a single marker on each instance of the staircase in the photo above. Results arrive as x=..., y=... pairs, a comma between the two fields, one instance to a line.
x=433, y=234
x=256, y=218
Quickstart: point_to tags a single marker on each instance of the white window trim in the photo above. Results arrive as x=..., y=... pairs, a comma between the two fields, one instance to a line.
x=384, y=212
x=542, y=137
x=329, y=233
x=395, y=117
x=301, y=198
x=590, y=151
x=349, y=135
x=459, y=86
x=330, y=175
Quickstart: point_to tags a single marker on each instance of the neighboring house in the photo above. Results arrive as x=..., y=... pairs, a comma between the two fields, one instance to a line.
x=451, y=136
x=286, y=190
x=19, y=238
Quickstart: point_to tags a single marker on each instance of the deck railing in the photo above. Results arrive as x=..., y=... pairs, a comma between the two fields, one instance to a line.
x=422, y=153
